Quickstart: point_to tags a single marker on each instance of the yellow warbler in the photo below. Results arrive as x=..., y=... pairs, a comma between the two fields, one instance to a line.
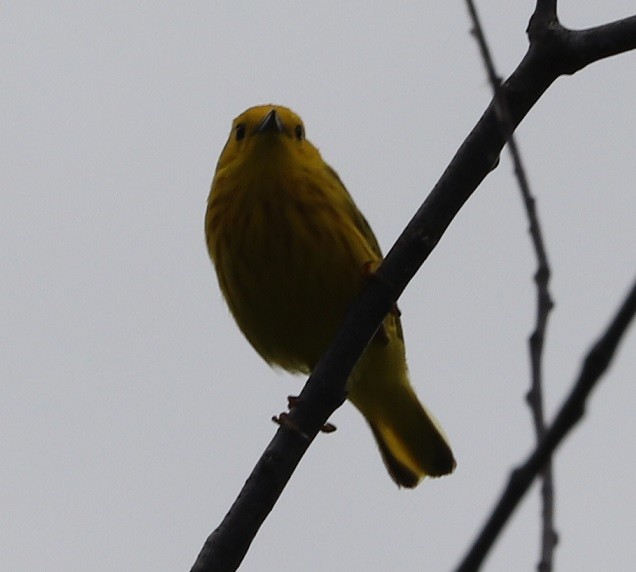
x=291, y=252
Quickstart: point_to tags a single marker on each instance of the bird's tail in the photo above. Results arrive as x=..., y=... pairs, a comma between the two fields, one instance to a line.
x=412, y=444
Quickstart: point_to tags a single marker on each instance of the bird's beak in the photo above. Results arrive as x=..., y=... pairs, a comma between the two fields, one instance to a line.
x=271, y=123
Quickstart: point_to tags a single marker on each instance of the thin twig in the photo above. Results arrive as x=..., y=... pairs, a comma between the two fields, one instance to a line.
x=571, y=412
x=544, y=300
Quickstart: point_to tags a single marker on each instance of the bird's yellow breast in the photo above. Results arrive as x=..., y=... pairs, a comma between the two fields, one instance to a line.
x=289, y=261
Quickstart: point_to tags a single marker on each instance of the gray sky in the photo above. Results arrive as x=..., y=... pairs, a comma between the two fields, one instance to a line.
x=132, y=409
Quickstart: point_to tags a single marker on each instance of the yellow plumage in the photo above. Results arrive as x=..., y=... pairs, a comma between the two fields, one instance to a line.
x=291, y=252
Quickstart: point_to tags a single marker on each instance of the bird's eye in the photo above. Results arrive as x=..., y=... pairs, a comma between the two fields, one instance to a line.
x=299, y=131
x=239, y=131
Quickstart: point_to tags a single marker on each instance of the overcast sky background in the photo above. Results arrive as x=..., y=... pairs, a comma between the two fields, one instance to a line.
x=132, y=410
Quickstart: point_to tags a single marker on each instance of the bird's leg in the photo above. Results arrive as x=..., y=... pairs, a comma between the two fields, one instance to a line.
x=284, y=420
x=292, y=401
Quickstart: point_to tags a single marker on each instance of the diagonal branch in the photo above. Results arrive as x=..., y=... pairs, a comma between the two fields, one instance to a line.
x=550, y=55
x=544, y=300
x=571, y=412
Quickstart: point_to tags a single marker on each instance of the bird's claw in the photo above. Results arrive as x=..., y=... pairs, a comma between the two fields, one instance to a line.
x=284, y=420
x=328, y=428
x=292, y=401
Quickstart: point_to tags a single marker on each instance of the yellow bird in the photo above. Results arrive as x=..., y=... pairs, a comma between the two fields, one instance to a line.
x=291, y=252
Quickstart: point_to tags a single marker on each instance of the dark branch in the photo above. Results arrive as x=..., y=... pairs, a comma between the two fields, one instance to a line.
x=579, y=48
x=572, y=410
x=324, y=392
x=545, y=14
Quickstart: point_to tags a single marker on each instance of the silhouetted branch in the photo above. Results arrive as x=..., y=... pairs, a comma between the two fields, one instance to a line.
x=572, y=410
x=553, y=52
x=544, y=300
